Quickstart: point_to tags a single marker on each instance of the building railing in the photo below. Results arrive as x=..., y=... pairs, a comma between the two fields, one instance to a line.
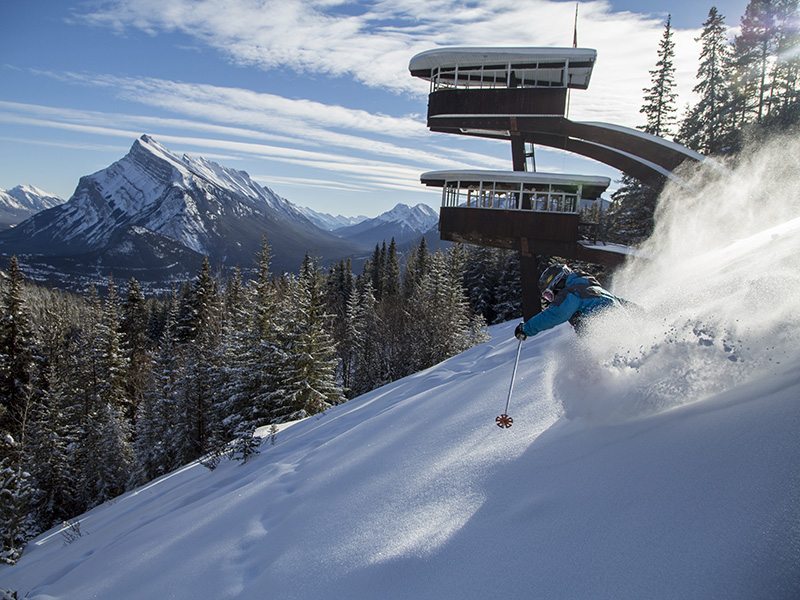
x=512, y=196
x=533, y=75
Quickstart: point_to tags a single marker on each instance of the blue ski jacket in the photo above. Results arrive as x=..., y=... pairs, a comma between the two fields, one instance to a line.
x=580, y=297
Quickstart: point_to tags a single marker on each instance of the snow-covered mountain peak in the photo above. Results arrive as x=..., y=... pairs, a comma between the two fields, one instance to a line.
x=195, y=203
x=419, y=217
x=199, y=170
x=28, y=197
x=403, y=223
x=23, y=201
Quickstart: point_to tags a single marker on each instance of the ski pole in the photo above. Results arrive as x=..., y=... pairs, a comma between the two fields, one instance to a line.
x=504, y=420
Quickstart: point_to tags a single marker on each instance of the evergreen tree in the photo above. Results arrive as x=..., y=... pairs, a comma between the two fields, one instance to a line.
x=508, y=290
x=232, y=402
x=659, y=98
x=199, y=330
x=785, y=76
x=391, y=275
x=752, y=50
x=105, y=451
x=307, y=372
x=157, y=446
x=708, y=126
x=392, y=315
x=16, y=495
x=364, y=341
x=112, y=383
x=631, y=217
x=480, y=281
x=16, y=356
x=265, y=304
x=440, y=318
x=134, y=327
x=262, y=353
x=417, y=266
x=51, y=438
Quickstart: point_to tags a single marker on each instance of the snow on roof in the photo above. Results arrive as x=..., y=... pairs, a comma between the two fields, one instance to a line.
x=609, y=247
x=437, y=178
x=539, y=60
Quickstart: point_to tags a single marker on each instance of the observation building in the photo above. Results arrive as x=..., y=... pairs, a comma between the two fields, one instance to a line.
x=522, y=95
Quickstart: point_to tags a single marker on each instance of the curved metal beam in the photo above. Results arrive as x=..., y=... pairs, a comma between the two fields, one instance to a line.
x=647, y=157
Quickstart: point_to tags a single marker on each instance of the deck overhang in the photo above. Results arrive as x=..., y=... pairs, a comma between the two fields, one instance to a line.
x=552, y=234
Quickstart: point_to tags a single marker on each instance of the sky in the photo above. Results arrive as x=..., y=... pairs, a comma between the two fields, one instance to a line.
x=312, y=98
x=654, y=457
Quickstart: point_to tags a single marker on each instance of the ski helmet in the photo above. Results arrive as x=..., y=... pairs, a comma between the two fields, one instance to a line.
x=551, y=278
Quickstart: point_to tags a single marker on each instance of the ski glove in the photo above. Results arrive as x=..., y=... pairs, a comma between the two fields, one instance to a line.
x=519, y=334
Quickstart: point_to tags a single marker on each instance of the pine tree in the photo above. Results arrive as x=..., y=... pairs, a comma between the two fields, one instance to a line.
x=232, y=401
x=392, y=315
x=262, y=353
x=752, y=50
x=16, y=495
x=113, y=388
x=659, y=98
x=480, y=281
x=265, y=304
x=16, y=356
x=391, y=274
x=199, y=330
x=307, y=371
x=785, y=75
x=105, y=452
x=631, y=217
x=440, y=318
x=134, y=327
x=157, y=446
x=417, y=266
x=51, y=439
x=364, y=341
x=708, y=126
x=508, y=290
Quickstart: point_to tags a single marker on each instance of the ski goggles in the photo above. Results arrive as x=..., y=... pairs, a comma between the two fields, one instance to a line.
x=548, y=295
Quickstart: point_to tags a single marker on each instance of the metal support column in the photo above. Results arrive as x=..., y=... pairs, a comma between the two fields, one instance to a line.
x=529, y=271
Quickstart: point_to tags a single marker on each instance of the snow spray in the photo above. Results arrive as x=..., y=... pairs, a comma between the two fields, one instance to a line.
x=720, y=283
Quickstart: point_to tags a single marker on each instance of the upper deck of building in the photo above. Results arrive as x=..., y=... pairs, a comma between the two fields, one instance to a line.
x=493, y=68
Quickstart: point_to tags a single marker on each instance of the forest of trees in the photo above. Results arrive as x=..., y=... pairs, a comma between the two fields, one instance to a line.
x=103, y=393
x=747, y=88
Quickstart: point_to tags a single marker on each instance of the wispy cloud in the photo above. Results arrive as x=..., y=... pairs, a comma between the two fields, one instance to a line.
x=375, y=45
x=241, y=113
x=354, y=170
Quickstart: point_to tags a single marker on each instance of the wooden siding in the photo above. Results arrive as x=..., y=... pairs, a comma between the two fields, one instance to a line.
x=551, y=234
x=501, y=101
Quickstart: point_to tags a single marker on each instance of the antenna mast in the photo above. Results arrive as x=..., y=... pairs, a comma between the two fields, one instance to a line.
x=575, y=28
x=574, y=45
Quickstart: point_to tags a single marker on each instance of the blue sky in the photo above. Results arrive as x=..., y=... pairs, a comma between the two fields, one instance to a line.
x=312, y=98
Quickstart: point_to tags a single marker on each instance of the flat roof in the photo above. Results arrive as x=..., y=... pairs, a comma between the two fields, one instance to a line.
x=538, y=62
x=438, y=178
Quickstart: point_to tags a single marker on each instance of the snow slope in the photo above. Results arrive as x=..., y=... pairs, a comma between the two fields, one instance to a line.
x=655, y=458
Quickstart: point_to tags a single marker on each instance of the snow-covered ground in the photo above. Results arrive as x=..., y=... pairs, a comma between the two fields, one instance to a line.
x=655, y=458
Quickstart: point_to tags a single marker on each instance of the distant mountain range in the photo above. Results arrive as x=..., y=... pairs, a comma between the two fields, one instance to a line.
x=329, y=222
x=403, y=223
x=22, y=202
x=153, y=215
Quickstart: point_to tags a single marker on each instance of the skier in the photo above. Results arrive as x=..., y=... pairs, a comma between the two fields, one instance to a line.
x=570, y=296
